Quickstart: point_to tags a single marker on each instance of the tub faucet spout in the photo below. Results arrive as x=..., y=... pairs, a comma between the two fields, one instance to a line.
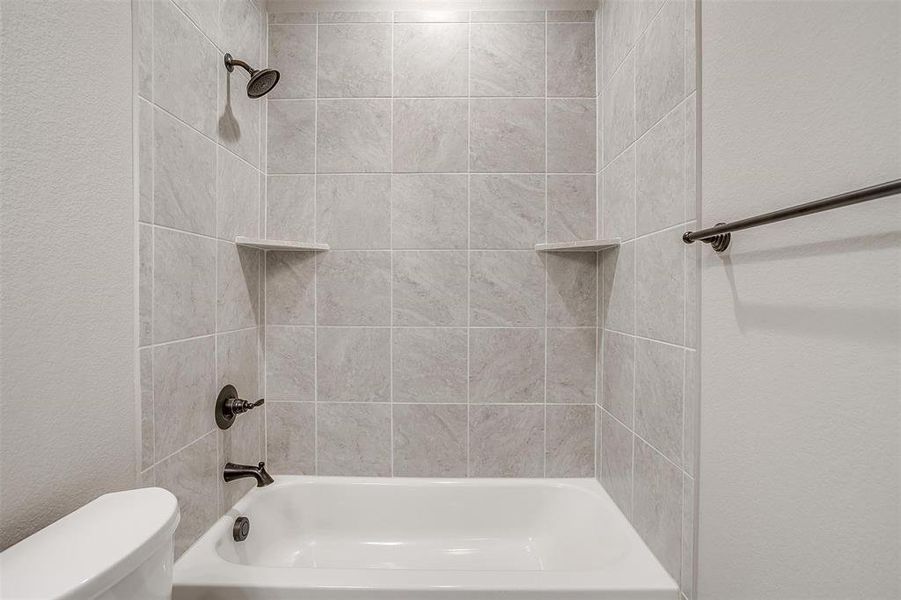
x=234, y=471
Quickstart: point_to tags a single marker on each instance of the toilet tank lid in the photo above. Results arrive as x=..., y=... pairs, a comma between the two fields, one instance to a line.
x=89, y=550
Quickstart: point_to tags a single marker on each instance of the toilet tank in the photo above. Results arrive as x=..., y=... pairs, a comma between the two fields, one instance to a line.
x=117, y=547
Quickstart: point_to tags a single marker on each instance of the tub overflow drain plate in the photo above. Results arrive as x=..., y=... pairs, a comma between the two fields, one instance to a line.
x=241, y=529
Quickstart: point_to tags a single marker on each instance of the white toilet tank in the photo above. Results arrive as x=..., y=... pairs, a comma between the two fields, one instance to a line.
x=118, y=547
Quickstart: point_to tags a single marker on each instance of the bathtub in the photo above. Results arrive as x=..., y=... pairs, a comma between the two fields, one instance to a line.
x=405, y=539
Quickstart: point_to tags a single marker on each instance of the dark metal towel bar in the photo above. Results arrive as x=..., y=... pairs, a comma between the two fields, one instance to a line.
x=719, y=236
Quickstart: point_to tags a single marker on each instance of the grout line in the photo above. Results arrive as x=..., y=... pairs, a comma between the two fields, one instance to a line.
x=316, y=258
x=391, y=264
x=468, y=244
x=546, y=260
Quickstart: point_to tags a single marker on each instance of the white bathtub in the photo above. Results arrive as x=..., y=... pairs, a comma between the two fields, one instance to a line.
x=405, y=539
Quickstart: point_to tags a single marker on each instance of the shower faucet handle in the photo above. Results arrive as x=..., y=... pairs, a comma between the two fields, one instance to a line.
x=238, y=406
x=229, y=406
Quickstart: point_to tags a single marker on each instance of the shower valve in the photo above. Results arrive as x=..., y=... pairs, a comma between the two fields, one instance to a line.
x=229, y=406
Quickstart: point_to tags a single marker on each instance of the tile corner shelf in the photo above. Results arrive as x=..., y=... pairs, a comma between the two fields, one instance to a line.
x=578, y=246
x=283, y=245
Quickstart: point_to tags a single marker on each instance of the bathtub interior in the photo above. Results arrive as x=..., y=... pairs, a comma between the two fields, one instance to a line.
x=333, y=523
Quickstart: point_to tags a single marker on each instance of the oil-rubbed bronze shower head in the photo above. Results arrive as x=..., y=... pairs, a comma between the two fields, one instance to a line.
x=261, y=81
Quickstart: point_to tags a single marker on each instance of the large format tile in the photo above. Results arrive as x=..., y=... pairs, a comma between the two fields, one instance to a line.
x=686, y=582
x=430, y=135
x=238, y=198
x=290, y=363
x=618, y=360
x=645, y=12
x=507, y=59
x=354, y=60
x=691, y=406
x=570, y=59
x=238, y=283
x=571, y=365
x=290, y=17
x=145, y=285
x=506, y=441
x=571, y=207
x=429, y=440
x=617, y=35
x=431, y=16
x=616, y=462
x=290, y=288
x=660, y=66
x=144, y=159
x=143, y=47
x=354, y=288
x=570, y=441
x=237, y=362
x=618, y=197
x=507, y=135
x=204, y=14
x=430, y=364
x=241, y=24
x=660, y=287
x=145, y=375
x=185, y=67
x=429, y=211
x=572, y=289
x=691, y=158
x=657, y=511
x=618, y=111
x=353, y=364
x=660, y=175
x=192, y=475
x=570, y=16
x=430, y=287
x=506, y=288
x=354, y=211
x=571, y=135
x=184, y=285
x=431, y=59
x=183, y=392
x=354, y=136
x=354, y=439
x=355, y=16
x=290, y=136
x=659, y=371
x=184, y=177
x=238, y=116
x=508, y=16
x=290, y=207
x=291, y=438
x=292, y=51
x=618, y=288
x=506, y=211
x=506, y=365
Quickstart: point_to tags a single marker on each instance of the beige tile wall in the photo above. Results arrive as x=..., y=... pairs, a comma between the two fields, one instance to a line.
x=648, y=325
x=199, y=172
x=432, y=151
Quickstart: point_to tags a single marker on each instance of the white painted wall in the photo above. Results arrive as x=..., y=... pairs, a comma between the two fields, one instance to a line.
x=801, y=321
x=67, y=407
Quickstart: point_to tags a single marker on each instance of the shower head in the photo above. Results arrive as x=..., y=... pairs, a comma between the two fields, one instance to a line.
x=261, y=81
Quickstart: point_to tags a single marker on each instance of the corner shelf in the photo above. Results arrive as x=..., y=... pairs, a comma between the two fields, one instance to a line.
x=283, y=245
x=578, y=246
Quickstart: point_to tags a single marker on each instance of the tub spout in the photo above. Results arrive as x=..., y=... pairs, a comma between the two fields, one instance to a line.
x=233, y=471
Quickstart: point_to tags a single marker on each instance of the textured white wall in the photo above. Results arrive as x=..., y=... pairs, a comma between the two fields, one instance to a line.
x=800, y=333
x=67, y=411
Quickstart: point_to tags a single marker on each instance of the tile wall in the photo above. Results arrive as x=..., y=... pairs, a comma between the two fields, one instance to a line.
x=198, y=157
x=431, y=150
x=648, y=324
